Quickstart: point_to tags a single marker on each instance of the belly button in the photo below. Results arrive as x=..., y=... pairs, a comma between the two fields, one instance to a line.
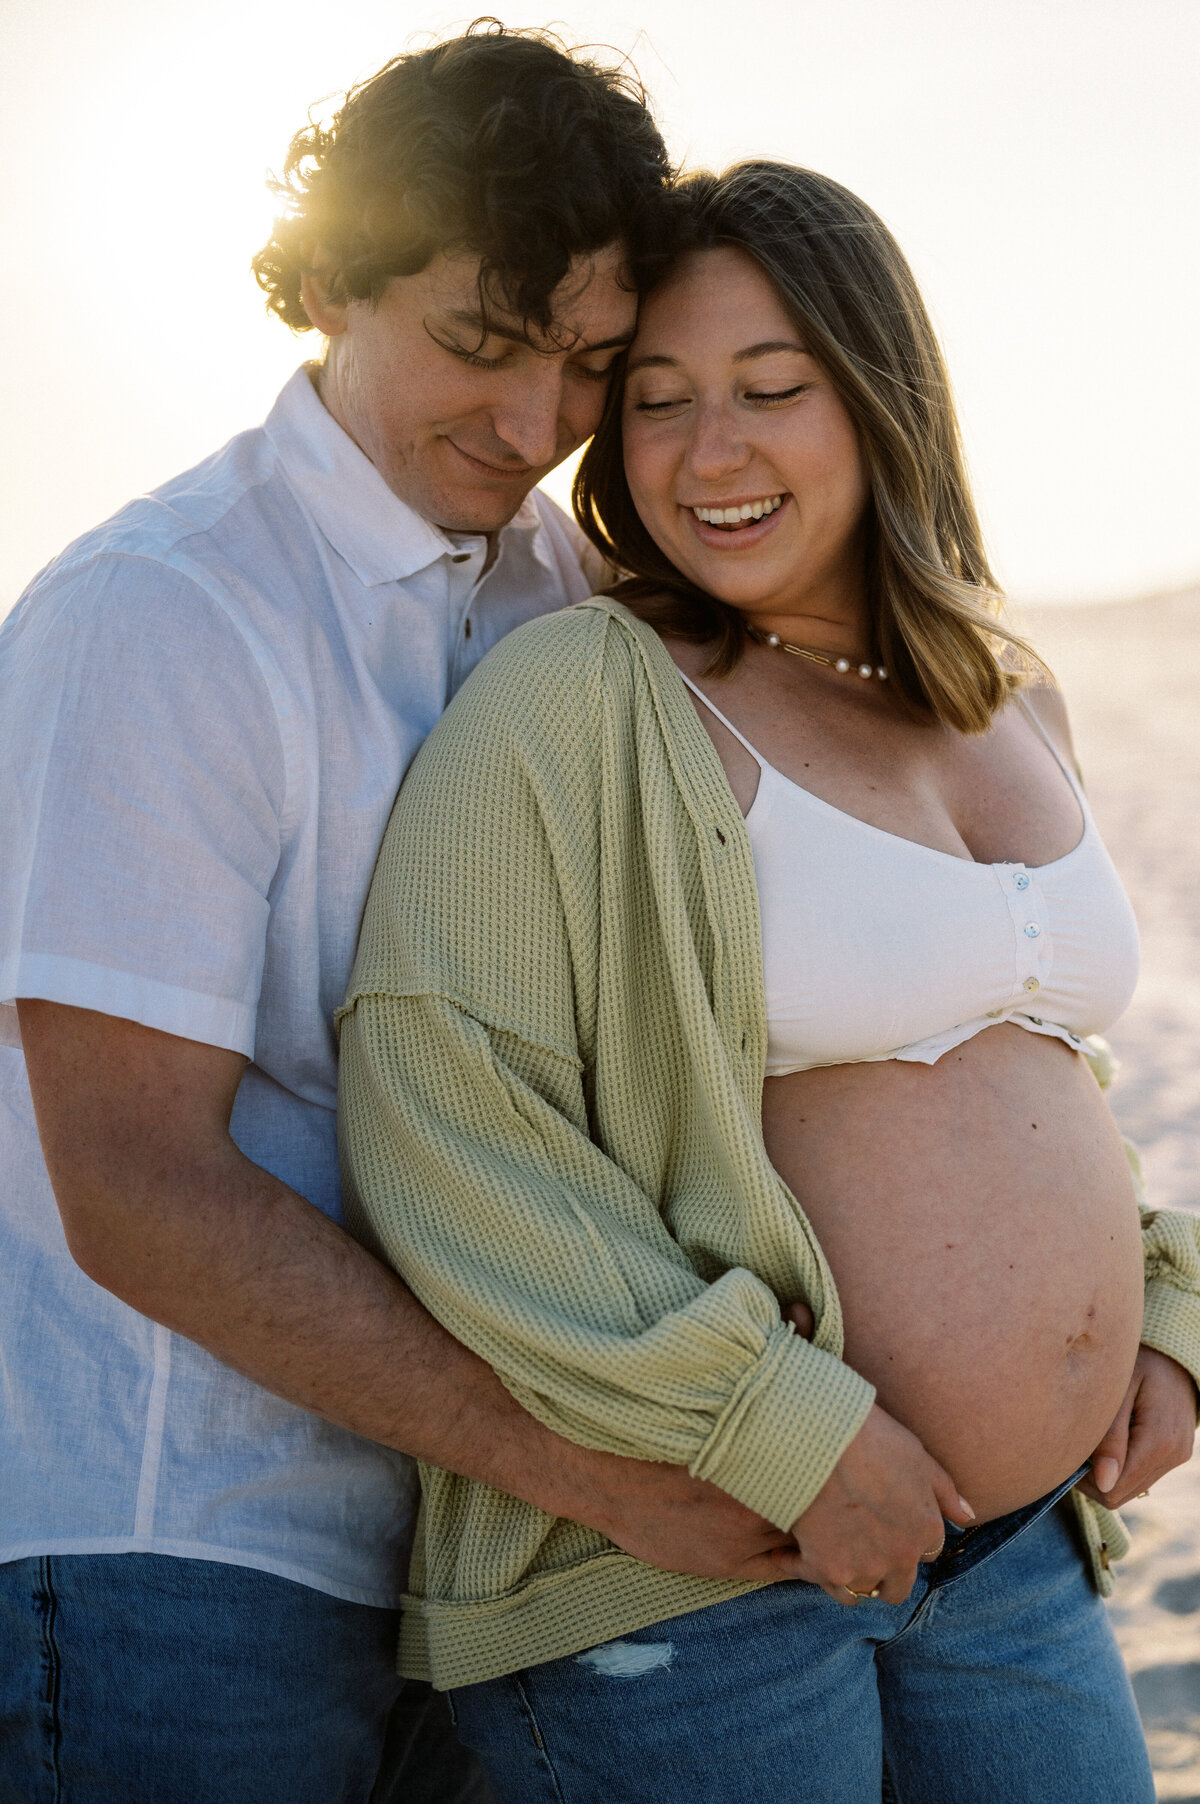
x=1085, y=1339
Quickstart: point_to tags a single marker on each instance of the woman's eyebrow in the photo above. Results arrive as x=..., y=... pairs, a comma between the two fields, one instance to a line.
x=651, y=363
x=657, y=362
x=770, y=344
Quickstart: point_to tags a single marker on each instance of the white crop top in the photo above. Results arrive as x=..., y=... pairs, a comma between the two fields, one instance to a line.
x=876, y=947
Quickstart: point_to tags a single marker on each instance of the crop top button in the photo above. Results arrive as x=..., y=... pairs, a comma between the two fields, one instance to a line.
x=1021, y=880
x=1032, y=930
x=1032, y=985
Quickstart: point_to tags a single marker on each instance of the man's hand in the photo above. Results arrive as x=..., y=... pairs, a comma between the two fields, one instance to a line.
x=1154, y=1430
x=661, y=1515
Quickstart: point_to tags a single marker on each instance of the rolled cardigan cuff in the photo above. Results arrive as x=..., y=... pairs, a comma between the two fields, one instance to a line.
x=785, y=1428
x=1171, y=1324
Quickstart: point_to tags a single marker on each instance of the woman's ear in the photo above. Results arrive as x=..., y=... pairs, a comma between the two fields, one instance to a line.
x=317, y=288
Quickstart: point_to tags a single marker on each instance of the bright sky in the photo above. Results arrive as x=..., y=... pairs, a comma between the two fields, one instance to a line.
x=1039, y=160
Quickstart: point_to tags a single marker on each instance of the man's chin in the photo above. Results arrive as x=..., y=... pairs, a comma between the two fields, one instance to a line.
x=476, y=513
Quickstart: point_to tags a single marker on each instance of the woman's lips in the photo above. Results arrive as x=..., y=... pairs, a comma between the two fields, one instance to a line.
x=741, y=537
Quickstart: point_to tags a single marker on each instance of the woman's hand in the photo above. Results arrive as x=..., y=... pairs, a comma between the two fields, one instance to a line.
x=877, y=1516
x=1154, y=1430
x=880, y=1510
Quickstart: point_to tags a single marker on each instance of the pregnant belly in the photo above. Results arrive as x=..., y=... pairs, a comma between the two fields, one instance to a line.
x=979, y=1219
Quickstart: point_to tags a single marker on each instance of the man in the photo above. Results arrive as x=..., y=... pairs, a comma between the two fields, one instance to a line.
x=207, y=704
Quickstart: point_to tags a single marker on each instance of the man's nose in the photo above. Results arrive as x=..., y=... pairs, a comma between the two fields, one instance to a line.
x=528, y=419
x=716, y=447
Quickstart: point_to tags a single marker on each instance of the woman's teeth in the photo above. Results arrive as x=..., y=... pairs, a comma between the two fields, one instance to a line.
x=737, y=516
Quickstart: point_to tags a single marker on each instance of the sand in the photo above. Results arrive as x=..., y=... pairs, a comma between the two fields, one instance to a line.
x=1131, y=676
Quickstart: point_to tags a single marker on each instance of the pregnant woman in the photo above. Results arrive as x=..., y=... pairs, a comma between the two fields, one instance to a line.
x=729, y=966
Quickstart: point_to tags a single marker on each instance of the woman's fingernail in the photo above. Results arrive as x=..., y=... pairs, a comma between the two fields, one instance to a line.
x=1105, y=1473
x=966, y=1509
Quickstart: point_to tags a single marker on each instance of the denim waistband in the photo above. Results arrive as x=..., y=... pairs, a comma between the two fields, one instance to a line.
x=968, y=1547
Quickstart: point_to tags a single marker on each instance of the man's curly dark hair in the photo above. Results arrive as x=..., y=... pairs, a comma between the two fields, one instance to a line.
x=499, y=144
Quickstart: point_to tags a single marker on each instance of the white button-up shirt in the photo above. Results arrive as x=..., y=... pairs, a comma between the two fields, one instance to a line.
x=206, y=706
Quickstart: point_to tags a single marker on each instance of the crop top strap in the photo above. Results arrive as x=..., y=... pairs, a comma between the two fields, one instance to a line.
x=727, y=724
x=1071, y=776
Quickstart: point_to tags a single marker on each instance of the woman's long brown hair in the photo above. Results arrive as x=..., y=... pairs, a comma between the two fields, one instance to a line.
x=934, y=603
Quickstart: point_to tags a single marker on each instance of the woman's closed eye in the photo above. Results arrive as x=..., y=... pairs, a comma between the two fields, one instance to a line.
x=773, y=397
x=661, y=407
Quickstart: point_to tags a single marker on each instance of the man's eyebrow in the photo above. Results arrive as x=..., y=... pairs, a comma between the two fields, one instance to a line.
x=487, y=328
x=761, y=350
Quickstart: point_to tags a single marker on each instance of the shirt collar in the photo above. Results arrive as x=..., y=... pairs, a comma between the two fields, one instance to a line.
x=526, y=529
x=381, y=538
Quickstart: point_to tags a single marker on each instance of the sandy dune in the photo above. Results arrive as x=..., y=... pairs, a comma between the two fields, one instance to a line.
x=1131, y=674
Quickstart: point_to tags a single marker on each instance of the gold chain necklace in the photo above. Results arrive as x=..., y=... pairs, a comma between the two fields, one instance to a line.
x=841, y=665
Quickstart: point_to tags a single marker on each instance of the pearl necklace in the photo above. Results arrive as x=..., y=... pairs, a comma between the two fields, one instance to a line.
x=841, y=665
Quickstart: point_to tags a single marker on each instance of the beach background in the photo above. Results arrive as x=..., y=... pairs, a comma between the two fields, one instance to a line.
x=1130, y=672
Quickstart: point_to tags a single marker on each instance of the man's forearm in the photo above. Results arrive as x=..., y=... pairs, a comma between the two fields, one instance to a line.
x=267, y=1284
x=160, y=1207
x=275, y=1289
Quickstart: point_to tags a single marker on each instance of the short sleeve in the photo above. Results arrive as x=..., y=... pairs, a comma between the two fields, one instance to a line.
x=142, y=786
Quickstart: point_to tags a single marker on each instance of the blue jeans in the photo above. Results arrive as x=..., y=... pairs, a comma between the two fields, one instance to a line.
x=140, y=1679
x=996, y=1682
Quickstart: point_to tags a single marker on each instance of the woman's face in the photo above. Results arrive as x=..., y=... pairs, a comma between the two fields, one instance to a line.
x=724, y=412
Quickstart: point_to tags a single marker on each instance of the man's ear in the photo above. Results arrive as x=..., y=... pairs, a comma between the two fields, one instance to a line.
x=316, y=286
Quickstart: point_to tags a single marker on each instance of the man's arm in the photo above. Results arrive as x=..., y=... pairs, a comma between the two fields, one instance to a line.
x=160, y=1207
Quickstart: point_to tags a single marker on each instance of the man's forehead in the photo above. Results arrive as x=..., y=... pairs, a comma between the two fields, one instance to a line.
x=595, y=303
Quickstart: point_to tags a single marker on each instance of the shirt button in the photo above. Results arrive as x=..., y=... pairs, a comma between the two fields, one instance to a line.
x=1021, y=880
x=1032, y=985
x=1032, y=930
x=994, y=1014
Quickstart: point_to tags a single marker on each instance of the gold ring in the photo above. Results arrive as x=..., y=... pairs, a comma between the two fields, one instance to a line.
x=857, y=1594
x=934, y=1553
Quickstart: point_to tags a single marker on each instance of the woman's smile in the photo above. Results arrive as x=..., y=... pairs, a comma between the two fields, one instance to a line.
x=737, y=526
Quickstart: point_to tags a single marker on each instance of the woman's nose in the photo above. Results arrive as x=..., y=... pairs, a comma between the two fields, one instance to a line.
x=716, y=446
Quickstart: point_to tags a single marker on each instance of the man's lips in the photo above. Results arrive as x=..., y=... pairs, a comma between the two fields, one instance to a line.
x=497, y=472
x=743, y=537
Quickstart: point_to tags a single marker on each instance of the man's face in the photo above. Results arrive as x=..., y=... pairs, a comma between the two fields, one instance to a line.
x=461, y=425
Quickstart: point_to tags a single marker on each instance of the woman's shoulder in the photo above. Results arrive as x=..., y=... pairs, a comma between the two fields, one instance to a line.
x=580, y=632
x=556, y=665
x=1044, y=699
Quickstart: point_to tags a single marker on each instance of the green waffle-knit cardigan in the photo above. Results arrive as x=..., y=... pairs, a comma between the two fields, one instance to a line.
x=552, y=1064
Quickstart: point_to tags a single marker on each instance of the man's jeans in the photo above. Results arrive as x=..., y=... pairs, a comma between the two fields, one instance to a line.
x=140, y=1679
x=996, y=1682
